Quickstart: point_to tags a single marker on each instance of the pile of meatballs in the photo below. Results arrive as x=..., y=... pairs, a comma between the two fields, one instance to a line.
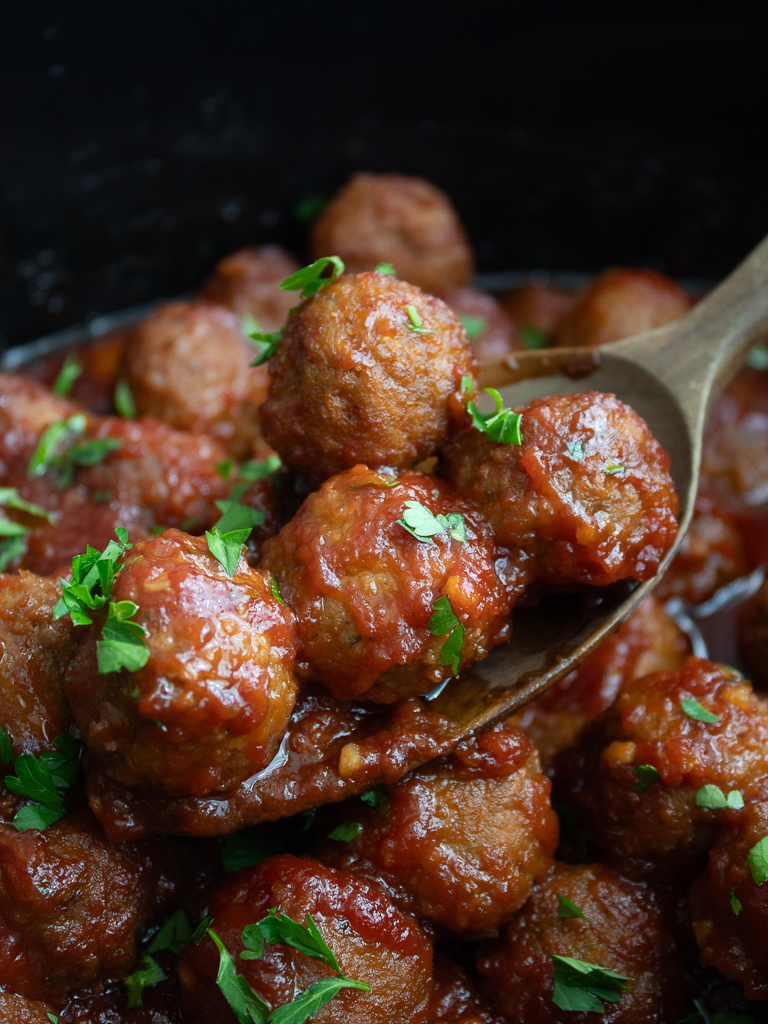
x=230, y=775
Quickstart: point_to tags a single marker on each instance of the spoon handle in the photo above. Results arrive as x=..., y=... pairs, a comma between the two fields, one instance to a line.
x=696, y=356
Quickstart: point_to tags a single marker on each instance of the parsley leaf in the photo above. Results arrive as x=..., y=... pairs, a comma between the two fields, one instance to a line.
x=253, y=941
x=474, y=326
x=613, y=468
x=575, y=450
x=6, y=748
x=10, y=549
x=235, y=515
x=227, y=547
x=205, y=923
x=414, y=322
x=309, y=280
x=68, y=374
x=308, y=208
x=467, y=385
x=580, y=985
x=224, y=469
x=122, y=644
x=52, y=1018
x=736, y=905
x=265, y=345
x=647, y=775
x=149, y=972
x=758, y=861
x=444, y=620
x=385, y=268
x=259, y=470
x=373, y=797
x=275, y=590
x=423, y=525
x=43, y=780
x=174, y=935
x=566, y=909
x=248, y=848
x=501, y=425
x=277, y=927
x=345, y=832
x=247, y=1005
x=60, y=453
x=15, y=544
x=713, y=798
x=697, y=711
x=309, y=1002
x=124, y=401
x=533, y=337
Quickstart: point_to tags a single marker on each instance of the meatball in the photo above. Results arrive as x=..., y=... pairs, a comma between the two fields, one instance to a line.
x=407, y=222
x=159, y=1005
x=27, y=409
x=455, y=996
x=621, y=930
x=213, y=701
x=635, y=774
x=587, y=491
x=372, y=940
x=729, y=901
x=71, y=906
x=462, y=840
x=18, y=1010
x=355, y=379
x=488, y=327
x=536, y=310
x=34, y=654
x=711, y=554
x=618, y=304
x=364, y=589
x=248, y=283
x=753, y=636
x=649, y=641
x=188, y=365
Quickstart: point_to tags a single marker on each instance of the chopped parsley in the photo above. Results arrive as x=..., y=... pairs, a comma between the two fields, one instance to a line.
x=613, y=468
x=373, y=797
x=14, y=532
x=59, y=452
x=736, y=905
x=423, y=525
x=205, y=923
x=309, y=280
x=308, y=208
x=697, y=711
x=385, y=268
x=566, y=909
x=581, y=986
x=414, y=323
x=42, y=779
x=445, y=621
x=259, y=470
x=713, y=798
x=248, y=848
x=758, y=861
x=52, y=1018
x=124, y=401
x=275, y=590
x=149, y=972
x=474, y=326
x=123, y=642
x=68, y=374
x=227, y=547
x=345, y=832
x=533, y=337
x=174, y=934
x=467, y=385
x=265, y=345
x=247, y=1005
x=646, y=775
x=575, y=450
x=235, y=515
x=6, y=747
x=501, y=425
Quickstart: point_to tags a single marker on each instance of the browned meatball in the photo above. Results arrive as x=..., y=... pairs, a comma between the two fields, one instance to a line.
x=648, y=821
x=488, y=327
x=462, y=840
x=455, y=996
x=536, y=310
x=352, y=381
x=248, y=283
x=34, y=654
x=620, y=303
x=649, y=641
x=212, y=702
x=363, y=588
x=622, y=931
x=729, y=901
x=71, y=906
x=188, y=365
x=753, y=636
x=372, y=940
x=407, y=222
x=18, y=1010
x=159, y=1004
x=587, y=491
x=26, y=410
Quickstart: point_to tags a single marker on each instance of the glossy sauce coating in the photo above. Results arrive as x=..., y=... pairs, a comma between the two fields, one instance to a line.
x=407, y=222
x=351, y=381
x=71, y=906
x=247, y=282
x=363, y=588
x=661, y=831
x=456, y=998
x=17, y=1010
x=622, y=931
x=372, y=940
x=188, y=366
x=620, y=303
x=595, y=513
x=460, y=841
x=214, y=699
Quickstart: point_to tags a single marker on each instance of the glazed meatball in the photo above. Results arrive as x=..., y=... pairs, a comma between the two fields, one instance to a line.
x=248, y=283
x=462, y=840
x=27, y=409
x=587, y=492
x=407, y=222
x=488, y=327
x=159, y=1005
x=352, y=381
x=363, y=588
x=622, y=931
x=372, y=940
x=649, y=641
x=18, y=1010
x=536, y=310
x=34, y=654
x=619, y=304
x=211, y=705
x=188, y=366
x=648, y=821
x=71, y=906
x=729, y=901
x=456, y=998
x=711, y=554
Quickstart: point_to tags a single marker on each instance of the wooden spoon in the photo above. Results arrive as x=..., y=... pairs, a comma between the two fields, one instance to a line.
x=670, y=376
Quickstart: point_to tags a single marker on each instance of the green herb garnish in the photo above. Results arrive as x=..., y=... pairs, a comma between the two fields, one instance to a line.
x=385, y=268
x=124, y=401
x=474, y=326
x=424, y=525
x=345, y=832
x=205, y=923
x=259, y=470
x=613, y=468
x=713, y=798
x=736, y=905
x=14, y=544
x=308, y=208
x=566, y=909
x=174, y=934
x=59, y=453
x=266, y=346
x=6, y=748
x=533, y=337
x=414, y=322
x=445, y=620
x=42, y=779
x=309, y=280
x=68, y=374
x=575, y=450
x=275, y=590
x=227, y=547
x=758, y=861
x=501, y=425
x=647, y=775
x=374, y=797
x=149, y=972
x=235, y=515
x=247, y=1005
x=581, y=986
x=697, y=711
x=247, y=848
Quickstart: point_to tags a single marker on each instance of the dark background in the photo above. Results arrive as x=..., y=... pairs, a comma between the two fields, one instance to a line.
x=139, y=143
